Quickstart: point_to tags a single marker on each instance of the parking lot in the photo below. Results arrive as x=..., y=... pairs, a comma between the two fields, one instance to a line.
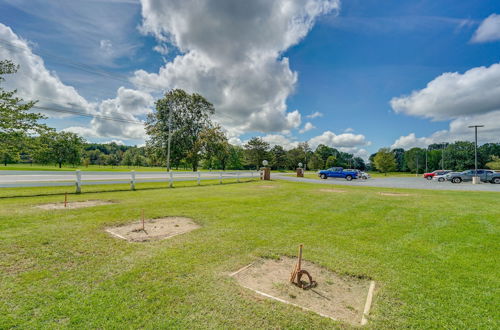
x=399, y=182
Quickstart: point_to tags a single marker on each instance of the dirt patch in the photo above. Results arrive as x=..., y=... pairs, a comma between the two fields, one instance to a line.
x=73, y=205
x=154, y=229
x=394, y=194
x=333, y=190
x=338, y=297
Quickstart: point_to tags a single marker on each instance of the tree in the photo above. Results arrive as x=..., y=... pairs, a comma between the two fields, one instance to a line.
x=236, y=157
x=214, y=147
x=16, y=120
x=183, y=115
x=330, y=161
x=60, y=148
x=256, y=151
x=315, y=163
x=278, y=157
x=494, y=164
x=323, y=152
x=358, y=163
x=459, y=156
x=399, y=154
x=384, y=160
x=413, y=157
x=8, y=154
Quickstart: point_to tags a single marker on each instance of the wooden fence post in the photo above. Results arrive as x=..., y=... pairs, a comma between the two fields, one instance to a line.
x=198, y=177
x=132, y=180
x=78, y=181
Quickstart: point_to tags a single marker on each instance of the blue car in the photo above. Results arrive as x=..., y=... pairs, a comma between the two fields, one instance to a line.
x=338, y=172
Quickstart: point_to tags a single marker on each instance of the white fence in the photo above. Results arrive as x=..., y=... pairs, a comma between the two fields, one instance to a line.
x=9, y=179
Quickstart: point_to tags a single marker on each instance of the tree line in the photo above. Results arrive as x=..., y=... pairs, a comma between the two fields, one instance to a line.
x=457, y=156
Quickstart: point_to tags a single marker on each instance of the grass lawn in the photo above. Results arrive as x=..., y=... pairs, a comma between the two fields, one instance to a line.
x=434, y=256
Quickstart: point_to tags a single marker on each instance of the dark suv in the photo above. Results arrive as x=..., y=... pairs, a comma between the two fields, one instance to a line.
x=484, y=175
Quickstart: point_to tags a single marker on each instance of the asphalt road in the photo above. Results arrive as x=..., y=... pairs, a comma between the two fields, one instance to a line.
x=398, y=182
x=12, y=179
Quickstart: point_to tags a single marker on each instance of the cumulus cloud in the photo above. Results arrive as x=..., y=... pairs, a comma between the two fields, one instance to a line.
x=458, y=131
x=489, y=30
x=315, y=115
x=346, y=140
x=452, y=95
x=33, y=81
x=307, y=127
x=126, y=106
x=231, y=52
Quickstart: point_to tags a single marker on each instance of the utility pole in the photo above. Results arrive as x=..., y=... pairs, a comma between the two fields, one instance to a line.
x=426, y=169
x=442, y=157
x=169, y=136
x=475, y=179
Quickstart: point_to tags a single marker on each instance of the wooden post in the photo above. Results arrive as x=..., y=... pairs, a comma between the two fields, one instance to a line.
x=142, y=217
x=198, y=172
x=78, y=181
x=65, y=199
x=171, y=180
x=132, y=180
x=300, y=257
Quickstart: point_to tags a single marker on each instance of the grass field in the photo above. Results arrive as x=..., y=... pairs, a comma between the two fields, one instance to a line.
x=433, y=254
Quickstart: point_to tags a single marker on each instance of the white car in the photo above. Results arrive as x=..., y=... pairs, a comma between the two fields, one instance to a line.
x=364, y=175
x=440, y=178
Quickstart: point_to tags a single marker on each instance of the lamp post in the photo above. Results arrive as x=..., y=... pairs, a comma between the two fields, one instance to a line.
x=475, y=178
x=426, y=168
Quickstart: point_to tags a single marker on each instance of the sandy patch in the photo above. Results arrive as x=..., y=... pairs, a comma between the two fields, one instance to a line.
x=333, y=190
x=153, y=229
x=338, y=297
x=73, y=205
x=394, y=194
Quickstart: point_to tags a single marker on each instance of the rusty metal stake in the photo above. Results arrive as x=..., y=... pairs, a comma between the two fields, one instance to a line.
x=143, y=220
x=65, y=199
x=298, y=272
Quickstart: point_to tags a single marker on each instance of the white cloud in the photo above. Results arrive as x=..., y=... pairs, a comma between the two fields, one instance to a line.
x=278, y=139
x=452, y=95
x=307, y=127
x=458, y=131
x=349, y=130
x=346, y=140
x=489, y=30
x=33, y=81
x=232, y=54
x=315, y=115
x=127, y=106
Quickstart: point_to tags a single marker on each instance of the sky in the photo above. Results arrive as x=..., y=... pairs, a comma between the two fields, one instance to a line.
x=357, y=75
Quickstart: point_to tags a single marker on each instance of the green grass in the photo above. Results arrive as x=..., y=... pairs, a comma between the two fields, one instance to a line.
x=434, y=256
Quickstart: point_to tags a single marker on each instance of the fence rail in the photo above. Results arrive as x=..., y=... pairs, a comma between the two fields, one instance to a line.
x=11, y=179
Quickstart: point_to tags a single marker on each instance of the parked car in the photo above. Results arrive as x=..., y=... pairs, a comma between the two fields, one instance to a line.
x=484, y=175
x=338, y=172
x=361, y=174
x=440, y=178
x=365, y=176
x=430, y=175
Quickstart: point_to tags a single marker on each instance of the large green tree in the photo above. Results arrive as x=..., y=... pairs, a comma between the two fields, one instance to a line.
x=17, y=122
x=278, y=157
x=256, y=150
x=385, y=161
x=185, y=116
x=60, y=148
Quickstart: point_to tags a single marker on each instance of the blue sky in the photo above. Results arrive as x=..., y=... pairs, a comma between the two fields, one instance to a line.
x=345, y=60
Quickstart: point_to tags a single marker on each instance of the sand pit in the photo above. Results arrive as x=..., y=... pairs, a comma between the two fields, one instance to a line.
x=73, y=205
x=153, y=229
x=341, y=298
x=333, y=190
x=393, y=194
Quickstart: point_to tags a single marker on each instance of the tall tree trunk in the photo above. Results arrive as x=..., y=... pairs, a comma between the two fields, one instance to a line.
x=60, y=164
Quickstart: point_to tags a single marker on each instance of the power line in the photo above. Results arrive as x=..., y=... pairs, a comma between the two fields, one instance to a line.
x=78, y=113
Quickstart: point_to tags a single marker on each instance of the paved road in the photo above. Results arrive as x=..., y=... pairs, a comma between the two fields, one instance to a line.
x=11, y=179
x=394, y=182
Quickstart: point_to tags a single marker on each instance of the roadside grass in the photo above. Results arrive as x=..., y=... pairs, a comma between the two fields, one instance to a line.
x=434, y=256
